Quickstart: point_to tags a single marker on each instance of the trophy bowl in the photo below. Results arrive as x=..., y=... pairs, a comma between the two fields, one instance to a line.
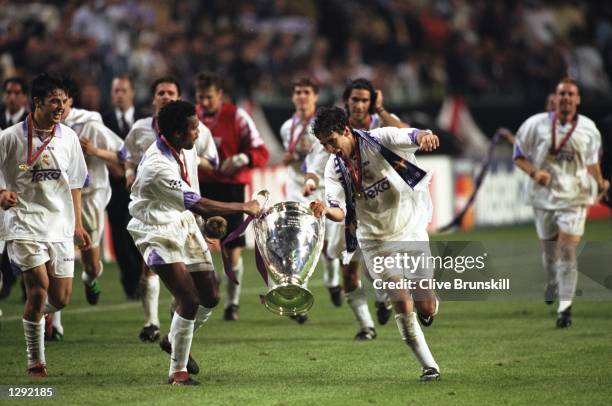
x=289, y=238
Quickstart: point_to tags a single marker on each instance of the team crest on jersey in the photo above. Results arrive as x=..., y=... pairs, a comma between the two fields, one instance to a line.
x=175, y=184
x=45, y=159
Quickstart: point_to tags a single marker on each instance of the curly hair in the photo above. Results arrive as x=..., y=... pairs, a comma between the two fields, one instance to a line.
x=328, y=120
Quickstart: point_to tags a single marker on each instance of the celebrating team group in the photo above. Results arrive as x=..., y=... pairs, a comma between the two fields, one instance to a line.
x=188, y=163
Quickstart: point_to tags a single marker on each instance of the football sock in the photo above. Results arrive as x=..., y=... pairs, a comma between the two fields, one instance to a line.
x=567, y=278
x=233, y=290
x=201, y=316
x=550, y=267
x=411, y=333
x=331, y=271
x=35, y=341
x=89, y=279
x=150, y=299
x=57, y=321
x=359, y=305
x=181, y=334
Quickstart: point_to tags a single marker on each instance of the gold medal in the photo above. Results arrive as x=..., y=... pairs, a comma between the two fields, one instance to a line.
x=24, y=167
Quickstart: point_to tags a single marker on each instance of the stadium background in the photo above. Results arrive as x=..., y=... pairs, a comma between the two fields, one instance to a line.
x=438, y=63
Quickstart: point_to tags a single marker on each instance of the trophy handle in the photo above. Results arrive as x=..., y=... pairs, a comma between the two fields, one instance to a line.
x=262, y=197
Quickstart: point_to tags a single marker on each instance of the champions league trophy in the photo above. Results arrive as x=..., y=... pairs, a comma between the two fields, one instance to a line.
x=289, y=238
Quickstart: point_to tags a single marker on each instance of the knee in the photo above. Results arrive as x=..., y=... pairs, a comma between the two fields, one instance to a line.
x=36, y=294
x=188, y=305
x=210, y=300
x=60, y=301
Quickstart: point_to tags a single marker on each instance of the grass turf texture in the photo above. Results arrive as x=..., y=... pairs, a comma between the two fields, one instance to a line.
x=489, y=352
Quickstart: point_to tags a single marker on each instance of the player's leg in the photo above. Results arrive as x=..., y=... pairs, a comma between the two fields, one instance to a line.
x=36, y=282
x=149, y=285
x=92, y=270
x=410, y=330
x=232, y=300
x=357, y=300
x=547, y=231
x=426, y=304
x=330, y=257
x=61, y=270
x=180, y=284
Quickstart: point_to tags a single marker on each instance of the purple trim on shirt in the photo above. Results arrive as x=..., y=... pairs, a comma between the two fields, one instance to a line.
x=155, y=259
x=413, y=135
x=190, y=198
x=163, y=148
x=122, y=154
x=517, y=152
x=87, y=181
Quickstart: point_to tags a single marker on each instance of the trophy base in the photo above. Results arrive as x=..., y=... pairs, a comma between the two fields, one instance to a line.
x=289, y=300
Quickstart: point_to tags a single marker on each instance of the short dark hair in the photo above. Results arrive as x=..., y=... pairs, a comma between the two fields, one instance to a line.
x=43, y=85
x=165, y=79
x=205, y=79
x=305, y=82
x=173, y=117
x=71, y=86
x=328, y=120
x=360, y=83
x=20, y=81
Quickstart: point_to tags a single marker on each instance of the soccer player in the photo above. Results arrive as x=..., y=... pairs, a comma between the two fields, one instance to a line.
x=298, y=140
x=364, y=106
x=240, y=148
x=365, y=187
x=165, y=195
x=44, y=170
x=143, y=134
x=559, y=151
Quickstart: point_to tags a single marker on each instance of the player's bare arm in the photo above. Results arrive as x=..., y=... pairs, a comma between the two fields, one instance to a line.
x=427, y=141
x=320, y=209
x=82, y=238
x=387, y=118
x=207, y=208
x=540, y=176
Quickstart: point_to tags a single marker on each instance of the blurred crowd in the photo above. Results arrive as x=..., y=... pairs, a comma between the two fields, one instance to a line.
x=414, y=50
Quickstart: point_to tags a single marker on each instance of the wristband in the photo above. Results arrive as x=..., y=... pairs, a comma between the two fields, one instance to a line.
x=310, y=182
x=379, y=110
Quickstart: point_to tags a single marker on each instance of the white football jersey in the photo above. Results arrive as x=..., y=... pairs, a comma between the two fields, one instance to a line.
x=389, y=208
x=88, y=125
x=292, y=130
x=571, y=184
x=44, y=210
x=142, y=136
x=159, y=194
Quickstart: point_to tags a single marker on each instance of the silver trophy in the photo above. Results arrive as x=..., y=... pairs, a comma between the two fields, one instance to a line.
x=290, y=239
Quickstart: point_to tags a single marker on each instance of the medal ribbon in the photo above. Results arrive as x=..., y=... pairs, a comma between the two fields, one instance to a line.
x=33, y=157
x=177, y=157
x=155, y=126
x=294, y=140
x=553, y=149
x=356, y=170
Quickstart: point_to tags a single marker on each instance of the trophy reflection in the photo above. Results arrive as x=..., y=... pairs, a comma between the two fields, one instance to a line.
x=289, y=239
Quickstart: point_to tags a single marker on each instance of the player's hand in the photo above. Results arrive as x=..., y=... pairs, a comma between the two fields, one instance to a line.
x=8, y=199
x=427, y=141
x=88, y=148
x=252, y=207
x=319, y=209
x=542, y=177
x=310, y=186
x=129, y=181
x=288, y=158
x=82, y=238
x=379, y=101
x=232, y=164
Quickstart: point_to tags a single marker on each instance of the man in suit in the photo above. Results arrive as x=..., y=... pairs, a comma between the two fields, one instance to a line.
x=15, y=100
x=120, y=119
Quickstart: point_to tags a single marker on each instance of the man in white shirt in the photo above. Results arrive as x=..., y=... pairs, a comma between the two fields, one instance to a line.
x=298, y=140
x=364, y=106
x=559, y=150
x=165, y=196
x=143, y=134
x=366, y=188
x=44, y=170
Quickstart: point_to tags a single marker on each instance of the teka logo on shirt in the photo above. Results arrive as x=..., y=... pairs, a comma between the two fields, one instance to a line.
x=379, y=187
x=40, y=175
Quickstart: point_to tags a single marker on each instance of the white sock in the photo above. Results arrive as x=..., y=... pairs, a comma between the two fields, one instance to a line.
x=411, y=333
x=181, y=334
x=35, y=341
x=550, y=267
x=90, y=279
x=233, y=290
x=567, y=278
x=358, y=303
x=150, y=299
x=57, y=321
x=331, y=271
x=49, y=308
x=381, y=296
x=201, y=316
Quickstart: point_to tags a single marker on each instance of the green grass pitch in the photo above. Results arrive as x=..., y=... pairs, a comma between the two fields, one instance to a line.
x=504, y=352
